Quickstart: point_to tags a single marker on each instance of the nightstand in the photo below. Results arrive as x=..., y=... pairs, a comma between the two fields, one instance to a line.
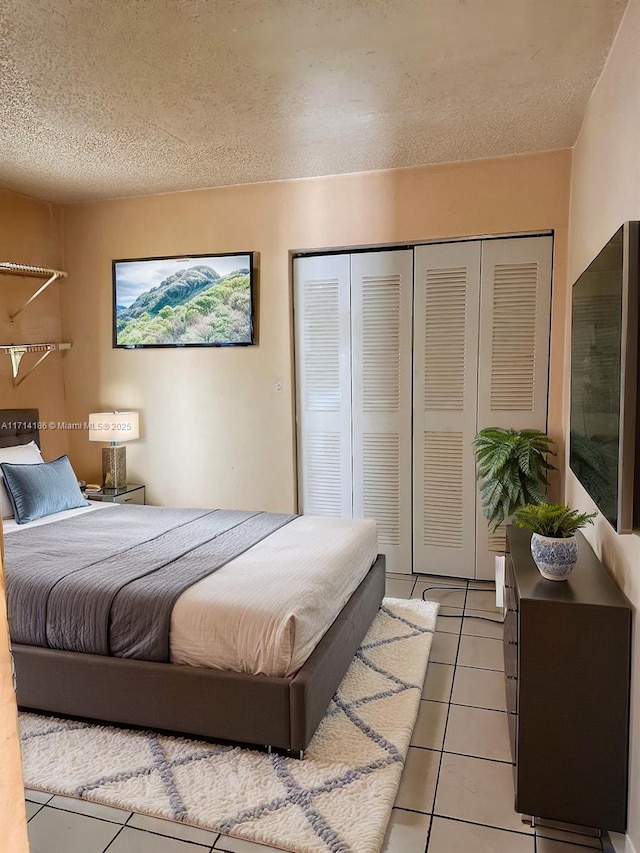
x=132, y=493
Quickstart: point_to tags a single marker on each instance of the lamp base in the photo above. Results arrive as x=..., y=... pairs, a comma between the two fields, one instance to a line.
x=114, y=466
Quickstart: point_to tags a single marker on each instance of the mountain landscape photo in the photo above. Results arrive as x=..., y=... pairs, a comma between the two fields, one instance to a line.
x=193, y=306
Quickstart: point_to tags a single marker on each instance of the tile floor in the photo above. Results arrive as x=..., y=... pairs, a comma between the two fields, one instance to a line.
x=456, y=793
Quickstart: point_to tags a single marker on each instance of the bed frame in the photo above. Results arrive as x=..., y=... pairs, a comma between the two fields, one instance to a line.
x=253, y=709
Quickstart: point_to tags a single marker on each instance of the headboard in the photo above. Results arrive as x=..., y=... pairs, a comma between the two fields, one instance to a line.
x=19, y=426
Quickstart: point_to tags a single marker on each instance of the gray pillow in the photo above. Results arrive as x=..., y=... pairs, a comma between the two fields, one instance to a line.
x=41, y=489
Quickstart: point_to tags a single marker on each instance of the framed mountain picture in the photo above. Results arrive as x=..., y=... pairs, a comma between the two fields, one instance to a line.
x=185, y=301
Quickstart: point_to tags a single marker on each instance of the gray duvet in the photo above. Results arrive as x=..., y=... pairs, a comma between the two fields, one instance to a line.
x=105, y=582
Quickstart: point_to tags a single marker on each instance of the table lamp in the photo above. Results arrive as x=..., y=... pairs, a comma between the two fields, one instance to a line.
x=114, y=427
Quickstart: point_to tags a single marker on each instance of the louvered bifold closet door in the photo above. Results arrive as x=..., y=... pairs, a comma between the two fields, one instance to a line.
x=381, y=300
x=323, y=380
x=513, y=372
x=445, y=362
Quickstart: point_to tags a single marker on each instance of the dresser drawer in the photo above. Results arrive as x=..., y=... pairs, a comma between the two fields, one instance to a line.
x=511, y=626
x=510, y=651
x=136, y=497
x=510, y=644
x=512, y=720
x=509, y=576
x=511, y=693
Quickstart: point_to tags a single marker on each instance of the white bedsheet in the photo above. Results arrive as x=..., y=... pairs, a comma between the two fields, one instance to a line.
x=265, y=611
x=10, y=525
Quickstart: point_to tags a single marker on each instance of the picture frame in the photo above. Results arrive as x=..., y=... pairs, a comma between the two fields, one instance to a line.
x=199, y=300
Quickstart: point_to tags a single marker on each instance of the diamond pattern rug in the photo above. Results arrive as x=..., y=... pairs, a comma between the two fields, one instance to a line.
x=338, y=799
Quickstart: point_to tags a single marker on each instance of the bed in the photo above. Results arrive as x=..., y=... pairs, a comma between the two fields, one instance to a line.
x=253, y=706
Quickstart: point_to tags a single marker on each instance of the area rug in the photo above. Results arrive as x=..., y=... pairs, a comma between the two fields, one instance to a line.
x=338, y=799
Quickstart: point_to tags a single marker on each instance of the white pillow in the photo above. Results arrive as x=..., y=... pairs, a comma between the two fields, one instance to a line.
x=21, y=454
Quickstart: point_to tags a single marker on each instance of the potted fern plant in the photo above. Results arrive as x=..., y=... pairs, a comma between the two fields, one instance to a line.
x=512, y=468
x=553, y=543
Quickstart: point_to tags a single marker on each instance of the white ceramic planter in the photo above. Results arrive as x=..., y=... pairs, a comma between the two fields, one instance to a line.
x=555, y=558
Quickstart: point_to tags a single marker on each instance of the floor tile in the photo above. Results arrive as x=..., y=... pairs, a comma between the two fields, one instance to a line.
x=32, y=809
x=55, y=831
x=37, y=796
x=418, y=783
x=72, y=804
x=403, y=576
x=485, y=586
x=438, y=683
x=138, y=841
x=407, y=832
x=475, y=731
x=481, y=688
x=235, y=845
x=617, y=839
x=454, y=836
x=430, y=725
x=482, y=600
x=591, y=842
x=449, y=620
x=437, y=591
x=481, y=652
x=172, y=829
x=548, y=845
x=396, y=588
x=476, y=623
x=442, y=580
x=452, y=611
x=478, y=791
x=444, y=648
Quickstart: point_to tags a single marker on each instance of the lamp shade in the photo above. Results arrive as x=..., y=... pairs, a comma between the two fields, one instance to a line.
x=113, y=426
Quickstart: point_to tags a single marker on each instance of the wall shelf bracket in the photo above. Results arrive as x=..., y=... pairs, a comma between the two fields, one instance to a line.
x=16, y=351
x=10, y=268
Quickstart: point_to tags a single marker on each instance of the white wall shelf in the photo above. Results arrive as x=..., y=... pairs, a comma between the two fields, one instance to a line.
x=17, y=351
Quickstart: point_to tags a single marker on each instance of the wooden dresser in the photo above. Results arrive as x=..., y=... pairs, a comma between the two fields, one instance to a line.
x=567, y=652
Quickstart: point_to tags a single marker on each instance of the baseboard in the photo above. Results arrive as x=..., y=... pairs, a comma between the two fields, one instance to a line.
x=621, y=843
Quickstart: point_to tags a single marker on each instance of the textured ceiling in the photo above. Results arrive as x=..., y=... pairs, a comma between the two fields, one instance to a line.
x=105, y=98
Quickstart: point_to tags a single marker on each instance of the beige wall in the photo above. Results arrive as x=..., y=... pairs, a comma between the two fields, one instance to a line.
x=215, y=432
x=30, y=233
x=605, y=191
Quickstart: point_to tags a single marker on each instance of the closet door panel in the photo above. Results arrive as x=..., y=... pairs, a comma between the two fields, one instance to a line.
x=323, y=379
x=381, y=306
x=445, y=362
x=515, y=315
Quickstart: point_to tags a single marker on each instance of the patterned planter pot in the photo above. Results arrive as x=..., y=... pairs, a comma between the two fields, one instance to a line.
x=555, y=558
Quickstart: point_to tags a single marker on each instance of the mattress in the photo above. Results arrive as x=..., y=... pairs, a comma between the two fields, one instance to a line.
x=265, y=611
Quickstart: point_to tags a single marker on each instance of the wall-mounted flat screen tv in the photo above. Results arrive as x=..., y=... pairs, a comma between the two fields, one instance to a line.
x=604, y=356
x=187, y=301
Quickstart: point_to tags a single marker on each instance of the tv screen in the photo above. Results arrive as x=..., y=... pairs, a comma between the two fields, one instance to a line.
x=188, y=301
x=603, y=377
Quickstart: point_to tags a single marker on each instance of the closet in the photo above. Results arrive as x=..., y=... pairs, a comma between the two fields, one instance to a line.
x=401, y=356
x=353, y=356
